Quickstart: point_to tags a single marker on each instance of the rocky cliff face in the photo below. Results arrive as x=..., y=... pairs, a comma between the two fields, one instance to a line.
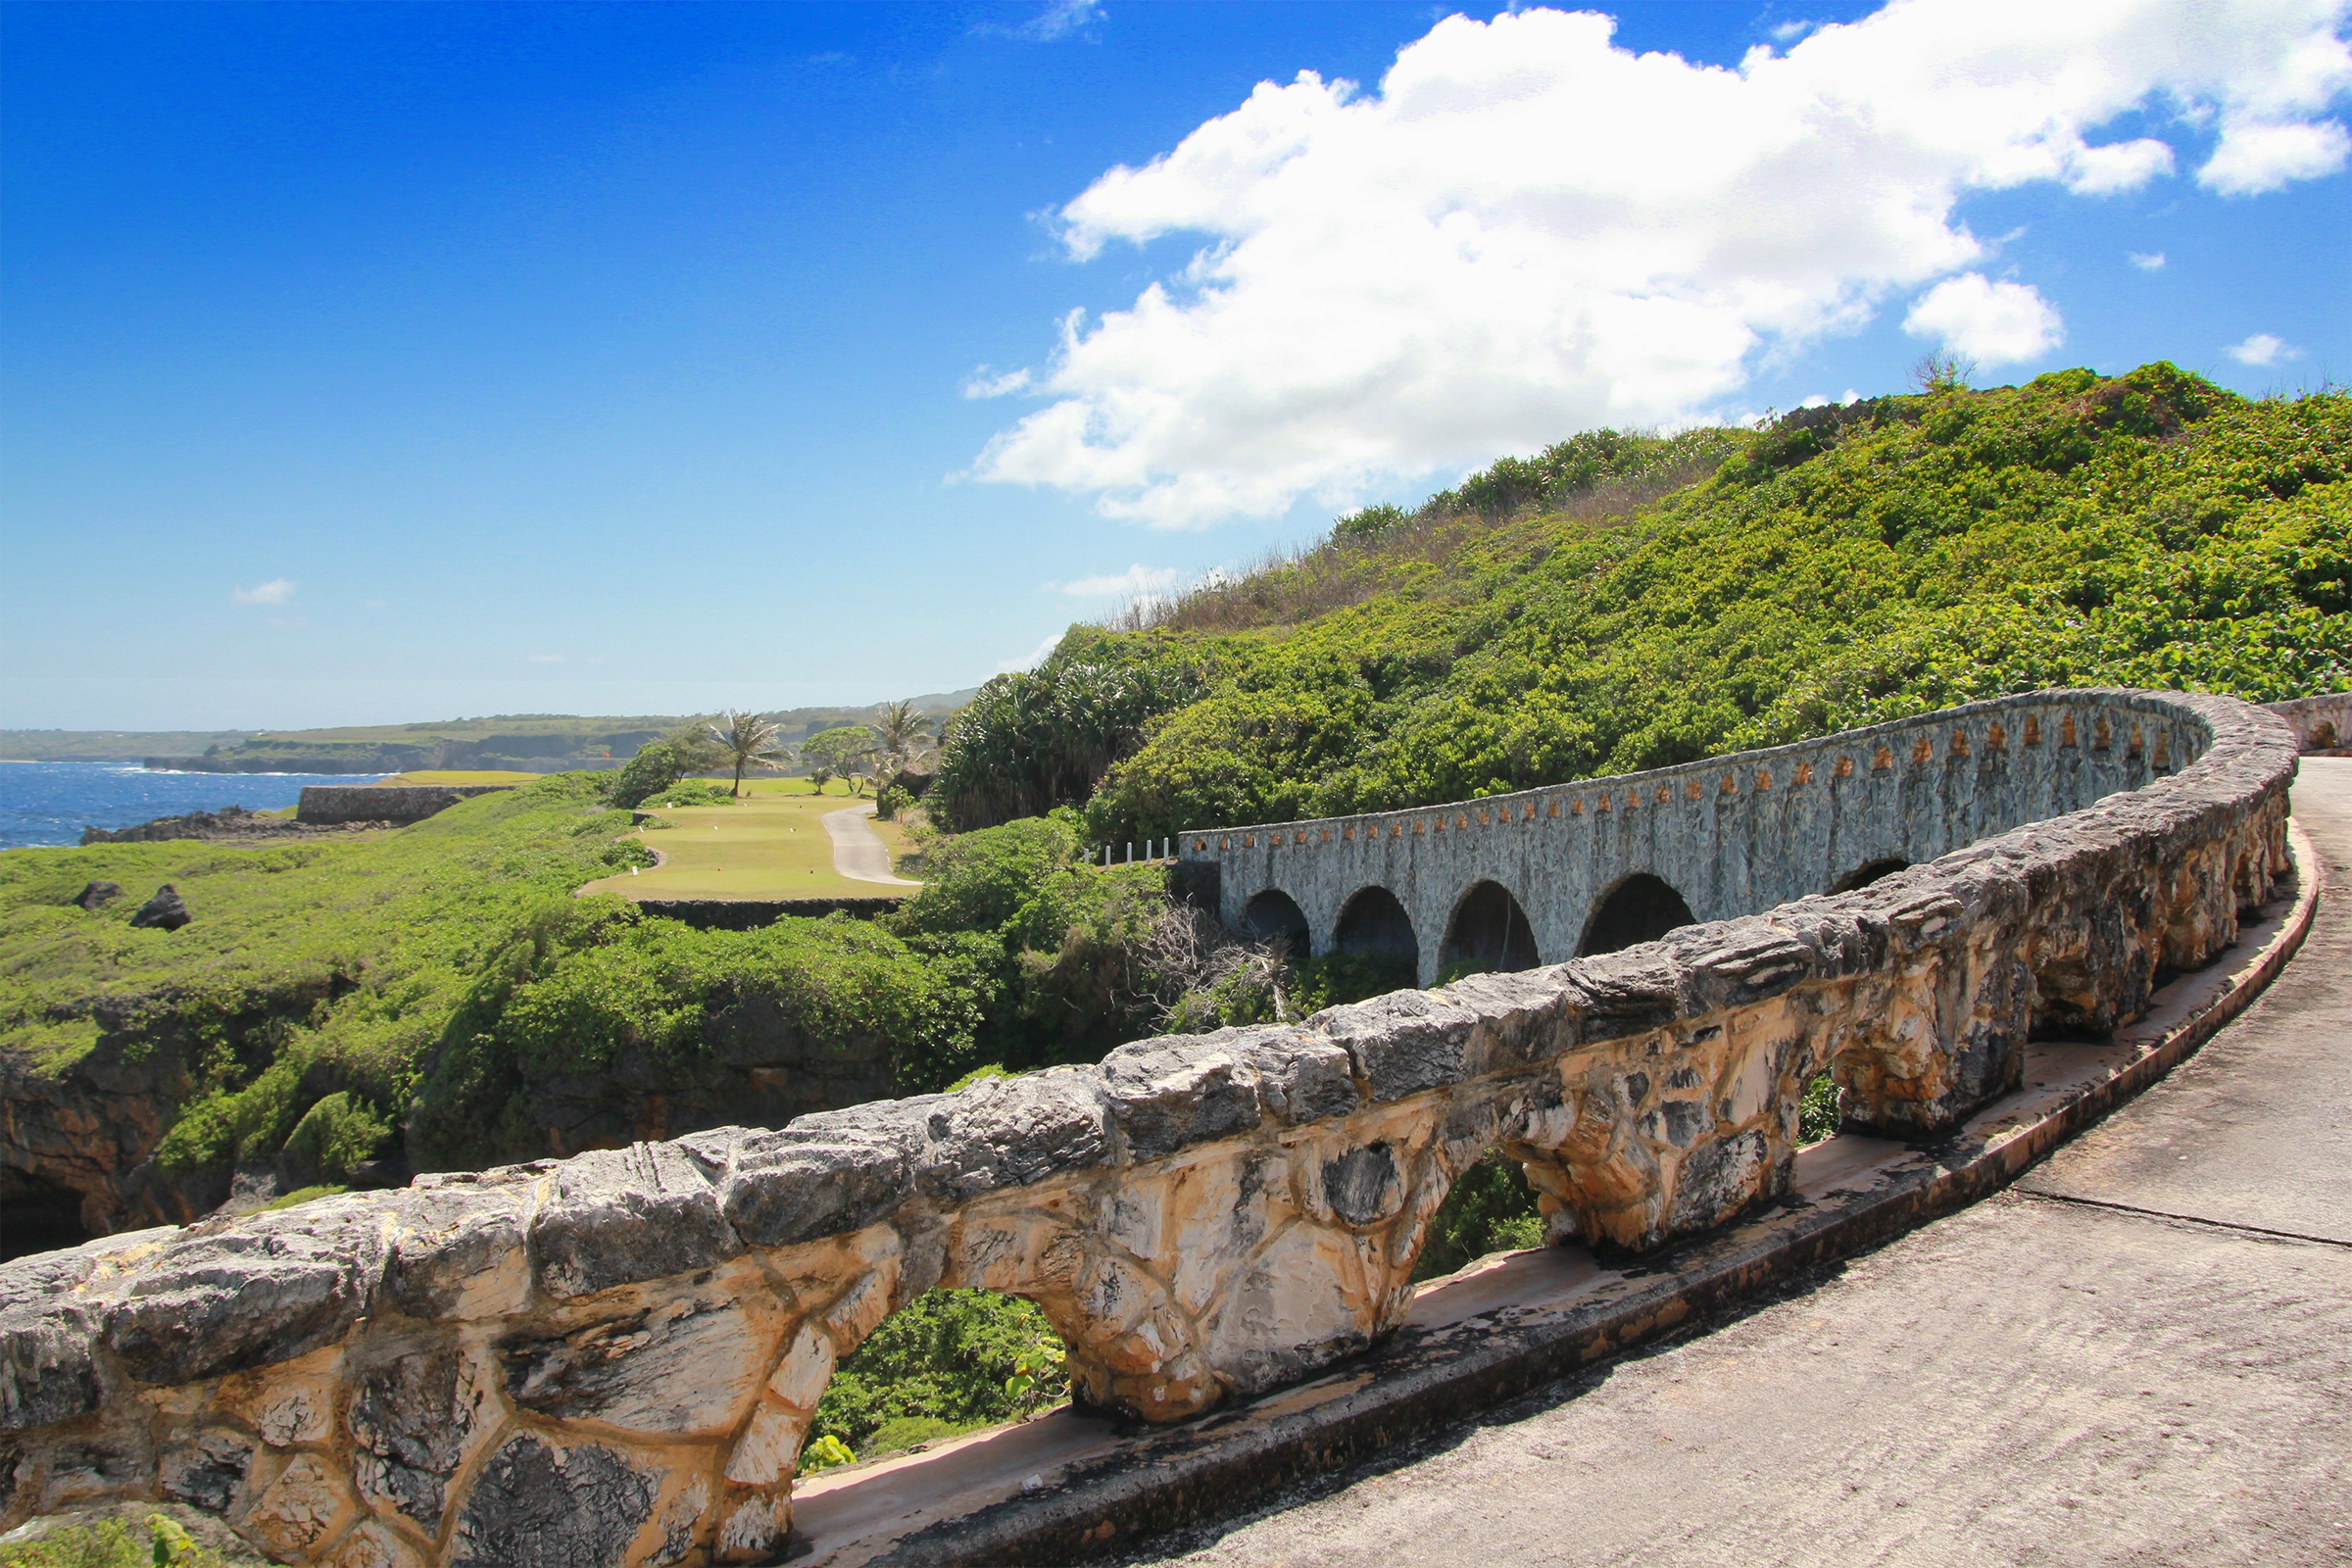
x=77, y=1140
x=758, y=1069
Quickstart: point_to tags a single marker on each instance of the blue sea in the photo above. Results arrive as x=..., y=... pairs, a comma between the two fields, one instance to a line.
x=51, y=803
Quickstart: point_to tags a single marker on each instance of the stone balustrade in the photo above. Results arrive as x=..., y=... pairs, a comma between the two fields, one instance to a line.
x=615, y=1358
x=2321, y=723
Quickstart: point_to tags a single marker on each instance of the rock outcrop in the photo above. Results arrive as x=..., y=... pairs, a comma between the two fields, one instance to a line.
x=165, y=910
x=97, y=894
x=340, y=804
x=613, y=1358
x=232, y=824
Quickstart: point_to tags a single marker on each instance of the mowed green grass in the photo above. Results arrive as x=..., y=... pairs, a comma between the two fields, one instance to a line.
x=771, y=844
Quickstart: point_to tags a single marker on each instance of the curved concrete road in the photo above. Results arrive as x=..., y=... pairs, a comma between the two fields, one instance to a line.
x=2141, y=1354
x=859, y=851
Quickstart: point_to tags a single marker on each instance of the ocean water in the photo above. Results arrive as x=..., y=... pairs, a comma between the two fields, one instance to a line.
x=51, y=803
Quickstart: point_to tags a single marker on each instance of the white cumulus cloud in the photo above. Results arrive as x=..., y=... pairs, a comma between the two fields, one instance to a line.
x=1527, y=231
x=1991, y=324
x=1136, y=579
x=1034, y=657
x=2263, y=349
x=2145, y=261
x=276, y=591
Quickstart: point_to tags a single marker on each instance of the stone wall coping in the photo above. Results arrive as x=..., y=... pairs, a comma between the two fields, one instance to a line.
x=1192, y=843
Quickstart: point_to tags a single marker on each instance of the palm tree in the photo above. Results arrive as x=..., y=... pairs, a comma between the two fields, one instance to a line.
x=753, y=741
x=901, y=732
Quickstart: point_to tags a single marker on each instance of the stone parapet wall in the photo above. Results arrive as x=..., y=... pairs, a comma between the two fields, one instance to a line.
x=384, y=802
x=615, y=1358
x=2321, y=723
x=1731, y=835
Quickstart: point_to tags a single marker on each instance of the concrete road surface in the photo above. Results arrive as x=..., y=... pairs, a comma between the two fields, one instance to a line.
x=859, y=851
x=2141, y=1355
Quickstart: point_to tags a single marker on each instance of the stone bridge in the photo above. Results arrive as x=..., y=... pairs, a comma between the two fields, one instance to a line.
x=1513, y=881
x=615, y=1358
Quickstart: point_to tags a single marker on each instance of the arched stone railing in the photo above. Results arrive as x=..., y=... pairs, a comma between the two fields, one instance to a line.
x=1729, y=836
x=613, y=1358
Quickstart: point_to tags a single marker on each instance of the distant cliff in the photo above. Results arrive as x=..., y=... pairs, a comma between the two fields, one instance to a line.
x=523, y=753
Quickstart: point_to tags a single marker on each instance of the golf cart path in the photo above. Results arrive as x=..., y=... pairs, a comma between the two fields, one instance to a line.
x=859, y=851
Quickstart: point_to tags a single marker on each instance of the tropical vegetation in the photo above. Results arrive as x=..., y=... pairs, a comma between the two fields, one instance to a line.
x=1627, y=600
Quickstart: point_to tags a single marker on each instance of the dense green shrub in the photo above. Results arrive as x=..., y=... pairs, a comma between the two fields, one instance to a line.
x=103, y=1542
x=943, y=1365
x=659, y=764
x=1058, y=950
x=581, y=987
x=1490, y=1208
x=1843, y=567
x=1030, y=742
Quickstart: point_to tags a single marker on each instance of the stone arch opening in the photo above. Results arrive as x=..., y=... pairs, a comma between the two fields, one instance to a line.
x=1374, y=924
x=1274, y=916
x=1640, y=908
x=1869, y=871
x=42, y=1215
x=1488, y=934
x=948, y=1361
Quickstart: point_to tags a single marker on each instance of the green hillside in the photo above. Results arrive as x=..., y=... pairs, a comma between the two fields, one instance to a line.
x=1629, y=602
x=532, y=743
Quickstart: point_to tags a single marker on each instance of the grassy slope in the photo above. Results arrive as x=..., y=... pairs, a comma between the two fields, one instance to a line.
x=2149, y=530
x=363, y=947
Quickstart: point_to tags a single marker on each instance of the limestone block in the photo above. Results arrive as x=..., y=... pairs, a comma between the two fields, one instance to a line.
x=1717, y=1181
x=543, y=1503
x=46, y=1370
x=1310, y=1295
x=275, y=1287
x=1012, y=1132
x=860, y=1309
x=838, y=1171
x=299, y=1509
x=1363, y=1185
x=769, y=1447
x=682, y=1518
x=372, y=1544
x=1302, y=1076
x=105, y=1464
x=208, y=1470
x=417, y=1409
x=289, y=1403
x=617, y=1216
x=457, y=1250
x=1405, y=1041
x=686, y=1366
x=1218, y=1214
x=1165, y=1095
x=750, y=1532
x=804, y=1369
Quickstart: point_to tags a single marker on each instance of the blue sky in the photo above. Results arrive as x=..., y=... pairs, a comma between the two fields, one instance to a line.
x=365, y=364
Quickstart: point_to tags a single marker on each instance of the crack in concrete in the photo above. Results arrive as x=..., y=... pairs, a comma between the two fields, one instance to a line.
x=2185, y=1220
